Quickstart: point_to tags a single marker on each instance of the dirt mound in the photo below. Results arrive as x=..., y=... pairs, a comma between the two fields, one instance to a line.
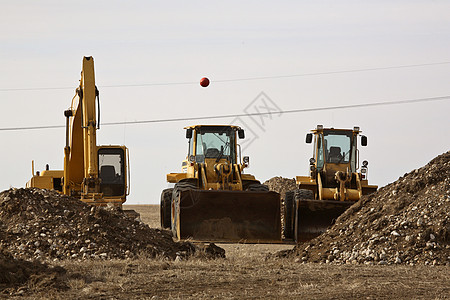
x=43, y=224
x=281, y=185
x=16, y=273
x=405, y=222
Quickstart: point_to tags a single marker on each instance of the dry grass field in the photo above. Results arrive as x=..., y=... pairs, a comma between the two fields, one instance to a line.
x=246, y=273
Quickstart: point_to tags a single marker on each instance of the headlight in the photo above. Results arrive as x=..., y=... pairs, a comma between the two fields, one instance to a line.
x=365, y=163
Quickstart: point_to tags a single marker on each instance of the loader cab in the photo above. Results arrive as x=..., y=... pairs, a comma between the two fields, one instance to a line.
x=111, y=166
x=335, y=147
x=212, y=142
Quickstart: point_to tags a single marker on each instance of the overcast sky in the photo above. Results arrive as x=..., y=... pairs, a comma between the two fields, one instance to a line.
x=160, y=49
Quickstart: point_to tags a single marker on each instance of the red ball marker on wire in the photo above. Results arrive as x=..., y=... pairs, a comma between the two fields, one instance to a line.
x=204, y=82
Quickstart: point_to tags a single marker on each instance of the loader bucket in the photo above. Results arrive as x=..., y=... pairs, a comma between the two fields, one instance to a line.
x=229, y=216
x=313, y=217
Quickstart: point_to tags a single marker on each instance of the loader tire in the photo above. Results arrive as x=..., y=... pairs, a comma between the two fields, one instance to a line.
x=165, y=207
x=289, y=211
x=175, y=205
x=257, y=187
x=302, y=194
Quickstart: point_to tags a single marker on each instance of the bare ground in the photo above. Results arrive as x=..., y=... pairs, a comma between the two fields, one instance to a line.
x=246, y=273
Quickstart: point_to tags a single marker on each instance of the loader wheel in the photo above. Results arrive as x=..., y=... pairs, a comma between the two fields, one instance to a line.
x=165, y=207
x=175, y=205
x=257, y=187
x=304, y=194
x=289, y=210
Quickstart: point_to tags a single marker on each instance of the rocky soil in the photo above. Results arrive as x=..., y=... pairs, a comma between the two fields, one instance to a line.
x=43, y=224
x=38, y=226
x=281, y=185
x=405, y=222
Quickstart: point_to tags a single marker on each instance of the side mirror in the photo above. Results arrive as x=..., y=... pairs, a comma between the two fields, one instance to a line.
x=189, y=133
x=241, y=133
x=363, y=140
x=309, y=138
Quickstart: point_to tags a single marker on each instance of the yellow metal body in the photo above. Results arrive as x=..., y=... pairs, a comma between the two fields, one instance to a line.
x=50, y=180
x=335, y=180
x=221, y=206
x=213, y=174
x=81, y=176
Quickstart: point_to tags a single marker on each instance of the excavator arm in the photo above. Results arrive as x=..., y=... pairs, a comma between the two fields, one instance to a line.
x=81, y=159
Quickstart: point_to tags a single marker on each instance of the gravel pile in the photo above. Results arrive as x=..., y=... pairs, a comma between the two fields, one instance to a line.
x=405, y=222
x=281, y=185
x=43, y=224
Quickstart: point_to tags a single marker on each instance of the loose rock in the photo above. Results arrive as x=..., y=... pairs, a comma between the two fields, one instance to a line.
x=43, y=224
x=405, y=222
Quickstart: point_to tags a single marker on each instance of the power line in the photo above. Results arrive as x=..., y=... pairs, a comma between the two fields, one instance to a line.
x=399, y=102
x=235, y=79
x=282, y=111
x=335, y=72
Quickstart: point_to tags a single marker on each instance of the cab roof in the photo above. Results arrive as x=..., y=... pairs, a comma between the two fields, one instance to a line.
x=224, y=126
x=320, y=128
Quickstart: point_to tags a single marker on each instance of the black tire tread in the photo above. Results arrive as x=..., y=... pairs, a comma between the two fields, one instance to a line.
x=289, y=205
x=257, y=187
x=165, y=207
x=303, y=194
x=179, y=187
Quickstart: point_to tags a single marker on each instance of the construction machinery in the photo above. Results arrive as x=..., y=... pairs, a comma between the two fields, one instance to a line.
x=335, y=183
x=212, y=199
x=95, y=174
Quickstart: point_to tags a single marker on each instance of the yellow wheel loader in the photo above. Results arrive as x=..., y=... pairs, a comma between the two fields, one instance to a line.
x=212, y=199
x=96, y=174
x=335, y=183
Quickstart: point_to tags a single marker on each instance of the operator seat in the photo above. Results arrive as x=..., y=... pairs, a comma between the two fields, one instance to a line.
x=212, y=153
x=108, y=174
x=335, y=155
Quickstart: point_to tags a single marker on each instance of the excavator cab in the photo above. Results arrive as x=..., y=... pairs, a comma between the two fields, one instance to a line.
x=112, y=171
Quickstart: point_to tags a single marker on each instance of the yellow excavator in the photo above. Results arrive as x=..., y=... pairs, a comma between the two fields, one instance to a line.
x=95, y=174
x=212, y=199
x=334, y=184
